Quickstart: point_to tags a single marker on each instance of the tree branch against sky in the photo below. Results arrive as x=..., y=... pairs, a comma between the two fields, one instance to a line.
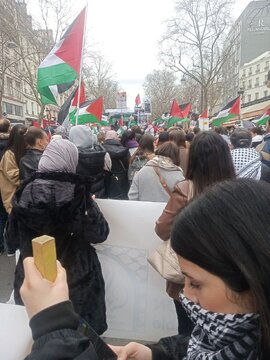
x=161, y=87
x=194, y=43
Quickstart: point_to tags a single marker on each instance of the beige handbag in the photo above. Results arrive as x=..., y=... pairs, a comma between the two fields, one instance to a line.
x=164, y=259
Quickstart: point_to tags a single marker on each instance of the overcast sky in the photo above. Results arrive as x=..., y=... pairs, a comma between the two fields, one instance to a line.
x=127, y=32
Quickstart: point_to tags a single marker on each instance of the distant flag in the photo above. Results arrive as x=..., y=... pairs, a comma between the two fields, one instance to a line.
x=89, y=112
x=60, y=68
x=138, y=100
x=70, y=104
x=204, y=120
x=179, y=113
x=263, y=119
x=230, y=111
x=121, y=121
x=205, y=114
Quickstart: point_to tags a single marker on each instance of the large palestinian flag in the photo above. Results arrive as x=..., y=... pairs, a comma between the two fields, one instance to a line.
x=230, y=111
x=179, y=113
x=58, y=71
x=263, y=119
x=89, y=112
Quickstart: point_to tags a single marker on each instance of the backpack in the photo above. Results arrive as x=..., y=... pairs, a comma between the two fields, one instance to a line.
x=137, y=164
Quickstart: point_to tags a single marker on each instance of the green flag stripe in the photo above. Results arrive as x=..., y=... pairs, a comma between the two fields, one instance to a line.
x=84, y=119
x=54, y=75
x=219, y=121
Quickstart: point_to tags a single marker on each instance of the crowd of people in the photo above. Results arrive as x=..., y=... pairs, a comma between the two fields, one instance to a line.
x=214, y=186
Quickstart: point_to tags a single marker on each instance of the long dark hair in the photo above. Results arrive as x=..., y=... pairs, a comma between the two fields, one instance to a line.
x=16, y=142
x=169, y=149
x=226, y=231
x=146, y=144
x=209, y=161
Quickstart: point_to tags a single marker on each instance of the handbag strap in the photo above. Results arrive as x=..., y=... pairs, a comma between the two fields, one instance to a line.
x=162, y=180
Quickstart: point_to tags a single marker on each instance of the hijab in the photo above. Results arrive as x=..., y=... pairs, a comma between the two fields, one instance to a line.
x=59, y=156
x=82, y=136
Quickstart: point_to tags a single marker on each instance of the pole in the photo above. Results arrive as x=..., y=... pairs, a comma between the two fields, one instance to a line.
x=81, y=65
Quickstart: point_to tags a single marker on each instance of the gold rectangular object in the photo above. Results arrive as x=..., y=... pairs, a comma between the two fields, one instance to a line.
x=44, y=253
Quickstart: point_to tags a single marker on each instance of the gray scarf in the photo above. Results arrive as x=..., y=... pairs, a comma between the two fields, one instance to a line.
x=59, y=156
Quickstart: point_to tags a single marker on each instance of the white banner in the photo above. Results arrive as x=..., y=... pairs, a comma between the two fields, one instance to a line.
x=137, y=304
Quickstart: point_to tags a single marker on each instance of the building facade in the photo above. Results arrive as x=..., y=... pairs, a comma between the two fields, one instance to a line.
x=250, y=38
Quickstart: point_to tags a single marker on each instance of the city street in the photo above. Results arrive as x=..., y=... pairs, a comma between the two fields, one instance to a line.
x=7, y=266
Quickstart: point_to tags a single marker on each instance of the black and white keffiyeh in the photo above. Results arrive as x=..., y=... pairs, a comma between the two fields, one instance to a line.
x=218, y=336
x=246, y=163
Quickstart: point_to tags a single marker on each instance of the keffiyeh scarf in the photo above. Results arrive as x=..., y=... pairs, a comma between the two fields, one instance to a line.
x=218, y=336
x=247, y=163
x=164, y=163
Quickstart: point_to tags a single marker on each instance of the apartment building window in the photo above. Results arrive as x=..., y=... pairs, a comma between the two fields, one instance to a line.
x=244, y=73
x=26, y=107
x=250, y=71
x=257, y=83
x=18, y=110
x=266, y=78
x=243, y=85
x=265, y=93
x=258, y=68
x=256, y=96
x=9, y=86
x=18, y=89
x=250, y=84
x=266, y=66
x=249, y=98
x=32, y=104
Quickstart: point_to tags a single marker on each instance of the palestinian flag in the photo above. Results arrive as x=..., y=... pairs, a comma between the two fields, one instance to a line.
x=230, y=111
x=263, y=119
x=58, y=71
x=89, y=112
x=179, y=113
x=71, y=104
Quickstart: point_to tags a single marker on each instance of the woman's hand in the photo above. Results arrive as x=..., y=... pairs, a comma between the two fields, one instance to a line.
x=133, y=351
x=38, y=293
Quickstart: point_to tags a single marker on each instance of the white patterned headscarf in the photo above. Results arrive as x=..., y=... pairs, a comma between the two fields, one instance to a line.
x=59, y=156
x=246, y=163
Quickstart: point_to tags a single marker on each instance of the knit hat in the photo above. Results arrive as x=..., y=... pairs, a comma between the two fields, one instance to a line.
x=59, y=155
x=111, y=135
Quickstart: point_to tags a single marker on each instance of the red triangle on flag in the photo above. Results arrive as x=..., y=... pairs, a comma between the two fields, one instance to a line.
x=96, y=108
x=71, y=49
x=205, y=114
x=82, y=96
x=186, y=111
x=175, y=110
x=268, y=112
x=235, y=109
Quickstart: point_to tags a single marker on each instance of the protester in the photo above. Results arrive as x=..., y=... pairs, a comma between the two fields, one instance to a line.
x=246, y=160
x=264, y=147
x=9, y=165
x=62, y=131
x=93, y=159
x=56, y=202
x=179, y=138
x=144, y=153
x=209, y=162
x=36, y=141
x=159, y=176
x=189, y=138
x=227, y=296
x=162, y=138
x=257, y=136
x=128, y=139
x=4, y=137
x=117, y=179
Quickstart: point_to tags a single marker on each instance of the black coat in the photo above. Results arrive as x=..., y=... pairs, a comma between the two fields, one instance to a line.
x=29, y=163
x=55, y=204
x=3, y=143
x=91, y=164
x=117, y=180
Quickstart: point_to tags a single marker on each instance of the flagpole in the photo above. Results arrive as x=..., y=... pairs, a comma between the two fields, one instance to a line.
x=81, y=65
